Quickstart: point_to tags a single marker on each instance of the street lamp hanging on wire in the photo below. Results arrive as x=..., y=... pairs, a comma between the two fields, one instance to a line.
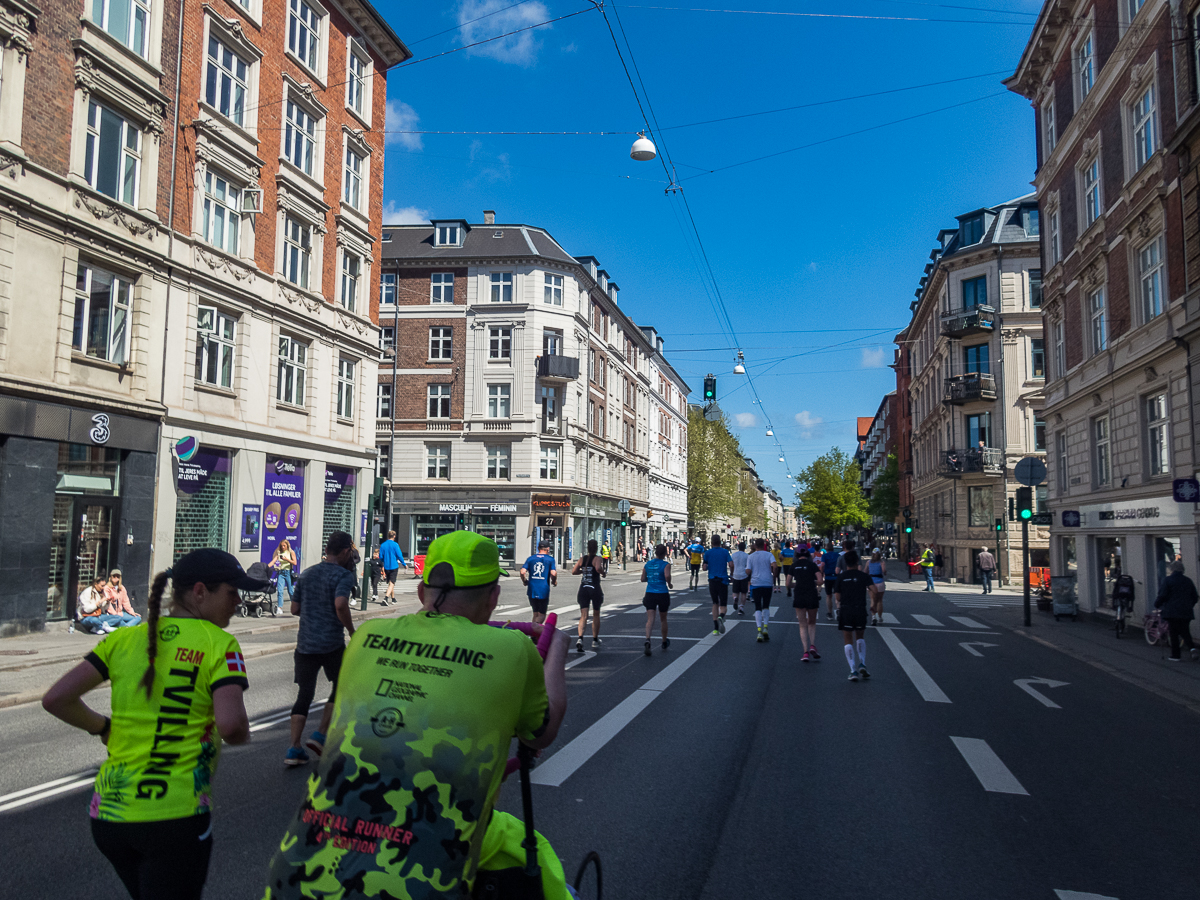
x=643, y=149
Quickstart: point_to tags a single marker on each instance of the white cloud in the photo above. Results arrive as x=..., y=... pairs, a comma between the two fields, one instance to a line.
x=810, y=425
x=872, y=357
x=405, y=215
x=745, y=420
x=812, y=267
x=570, y=48
x=518, y=49
x=400, y=118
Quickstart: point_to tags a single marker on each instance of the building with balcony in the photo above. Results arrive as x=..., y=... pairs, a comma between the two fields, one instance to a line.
x=973, y=360
x=516, y=399
x=1114, y=92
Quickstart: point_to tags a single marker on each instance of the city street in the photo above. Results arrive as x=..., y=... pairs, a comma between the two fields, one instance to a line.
x=974, y=763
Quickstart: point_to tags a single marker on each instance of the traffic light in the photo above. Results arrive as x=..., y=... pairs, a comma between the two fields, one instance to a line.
x=908, y=529
x=624, y=519
x=999, y=523
x=1025, y=503
x=710, y=387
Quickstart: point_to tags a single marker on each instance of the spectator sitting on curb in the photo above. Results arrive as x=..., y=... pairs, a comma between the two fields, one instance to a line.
x=93, y=617
x=118, y=601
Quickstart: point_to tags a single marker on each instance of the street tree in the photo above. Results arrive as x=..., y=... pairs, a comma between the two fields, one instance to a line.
x=830, y=495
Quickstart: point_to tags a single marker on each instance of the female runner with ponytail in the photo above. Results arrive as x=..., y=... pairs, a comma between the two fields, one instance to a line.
x=177, y=687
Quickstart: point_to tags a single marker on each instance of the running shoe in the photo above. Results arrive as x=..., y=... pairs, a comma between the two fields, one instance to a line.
x=805, y=658
x=853, y=676
x=316, y=742
x=741, y=610
x=862, y=670
x=666, y=643
x=647, y=648
x=295, y=757
x=721, y=625
x=760, y=636
x=766, y=636
x=1174, y=659
x=579, y=646
x=812, y=651
x=715, y=631
x=829, y=615
x=596, y=642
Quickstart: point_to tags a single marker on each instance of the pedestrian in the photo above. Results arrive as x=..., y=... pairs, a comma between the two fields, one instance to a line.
x=606, y=555
x=537, y=574
x=762, y=575
x=656, y=574
x=118, y=601
x=322, y=601
x=741, y=577
x=877, y=569
x=939, y=564
x=591, y=594
x=152, y=803
x=284, y=564
x=1177, y=598
x=695, y=551
x=376, y=573
x=987, y=565
x=829, y=566
x=391, y=559
x=789, y=557
x=851, y=592
x=804, y=579
x=719, y=565
x=93, y=609
x=927, y=563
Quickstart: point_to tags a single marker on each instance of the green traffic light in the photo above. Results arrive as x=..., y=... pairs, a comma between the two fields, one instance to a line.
x=908, y=529
x=1027, y=514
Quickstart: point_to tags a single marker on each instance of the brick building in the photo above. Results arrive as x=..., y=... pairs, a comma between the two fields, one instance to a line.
x=1109, y=83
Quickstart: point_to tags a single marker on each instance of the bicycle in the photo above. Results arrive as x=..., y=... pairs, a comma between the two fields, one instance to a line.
x=1155, y=627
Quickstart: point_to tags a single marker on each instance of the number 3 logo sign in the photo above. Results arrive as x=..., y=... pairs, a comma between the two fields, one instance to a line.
x=99, y=433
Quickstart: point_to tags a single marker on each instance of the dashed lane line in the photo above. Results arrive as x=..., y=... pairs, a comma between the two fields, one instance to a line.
x=988, y=767
x=970, y=623
x=925, y=685
x=928, y=620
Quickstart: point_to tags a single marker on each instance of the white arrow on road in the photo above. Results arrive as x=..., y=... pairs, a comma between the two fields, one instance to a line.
x=1024, y=684
x=970, y=646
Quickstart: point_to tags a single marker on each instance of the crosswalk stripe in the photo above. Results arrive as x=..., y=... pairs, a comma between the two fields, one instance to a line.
x=687, y=607
x=889, y=619
x=970, y=623
x=928, y=620
x=991, y=771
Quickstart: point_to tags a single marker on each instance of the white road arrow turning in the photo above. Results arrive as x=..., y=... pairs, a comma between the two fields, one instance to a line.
x=970, y=646
x=1024, y=684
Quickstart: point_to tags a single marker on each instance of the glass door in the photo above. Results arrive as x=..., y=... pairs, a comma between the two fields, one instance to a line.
x=83, y=547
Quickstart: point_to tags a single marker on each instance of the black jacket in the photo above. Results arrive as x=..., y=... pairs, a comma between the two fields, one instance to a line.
x=1176, y=597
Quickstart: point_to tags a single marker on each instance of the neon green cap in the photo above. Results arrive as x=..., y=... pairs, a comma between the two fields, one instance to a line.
x=462, y=559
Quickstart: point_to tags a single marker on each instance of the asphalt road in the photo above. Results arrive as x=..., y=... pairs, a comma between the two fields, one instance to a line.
x=724, y=768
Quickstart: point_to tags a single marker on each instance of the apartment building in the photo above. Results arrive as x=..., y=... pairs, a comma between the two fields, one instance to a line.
x=875, y=444
x=518, y=399
x=977, y=362
x=1109, y=83
x=168, y=186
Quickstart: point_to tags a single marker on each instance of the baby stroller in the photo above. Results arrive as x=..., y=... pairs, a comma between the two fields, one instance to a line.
x=256, y=603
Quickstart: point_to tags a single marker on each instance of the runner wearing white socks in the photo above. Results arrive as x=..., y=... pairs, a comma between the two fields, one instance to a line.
x=761, y=567
x=851, y=596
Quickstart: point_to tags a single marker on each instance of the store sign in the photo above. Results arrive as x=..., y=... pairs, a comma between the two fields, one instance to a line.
x=336, y=482
x=551, y=501
x=1157, y=512
x=477, y=507
x=1070, y=518
x=283, y=504
x=193, y=473
x=549, y=521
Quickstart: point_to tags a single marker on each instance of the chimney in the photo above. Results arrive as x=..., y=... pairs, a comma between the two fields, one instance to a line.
x=489, y=217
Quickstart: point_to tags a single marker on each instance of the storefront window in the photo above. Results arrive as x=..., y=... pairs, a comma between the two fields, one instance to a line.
x=202, y=510
x=83, y=469
x=1108, y=559
x=1165, y=551
x=1069, y=565
x=339, y=502
x=430, y=528
x=502, y=530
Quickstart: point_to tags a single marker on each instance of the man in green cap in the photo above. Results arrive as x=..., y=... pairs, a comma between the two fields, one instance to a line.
x=426, y=710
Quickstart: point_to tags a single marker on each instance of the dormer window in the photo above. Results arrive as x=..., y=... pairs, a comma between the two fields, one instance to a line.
x=972, y=231
x=448, y=235
x=1030, y=221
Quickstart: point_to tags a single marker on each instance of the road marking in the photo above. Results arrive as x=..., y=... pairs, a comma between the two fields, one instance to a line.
x=501, y=609
x=563, y=764
x=1024, y=684
x=928, y=620
x=42, y=792
x=584, y=657
x=687, y=607
x=991, y=772
x=970, y=623
x=916, y=674
x=922, y=629
x=970, y=646
x=889, y=619
x=1078, y=895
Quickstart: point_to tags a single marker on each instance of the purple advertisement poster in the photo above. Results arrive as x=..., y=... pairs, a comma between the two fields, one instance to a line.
x=283, y=506
x=336, y=482
x=194, y=472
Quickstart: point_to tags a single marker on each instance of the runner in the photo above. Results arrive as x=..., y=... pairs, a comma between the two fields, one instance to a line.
x=537, y=574
x=762, y=571
x=591, y=594
x=718, y=563
x=657, y=576
x=829, y=566
x=151, y=809
x=391, y=558
x=805, y=578
x=777, y=552
x=741, y=577
x=695, y=551
x=789, y=557
x=877, y=569
x=852, y=614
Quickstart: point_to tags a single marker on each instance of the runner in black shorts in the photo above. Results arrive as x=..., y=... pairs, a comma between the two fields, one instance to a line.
x=656, y=574
x=851, y=593
x=803, y=577
x=591, y=594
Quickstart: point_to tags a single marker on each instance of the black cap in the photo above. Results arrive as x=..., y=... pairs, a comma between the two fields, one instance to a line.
x=212, y=566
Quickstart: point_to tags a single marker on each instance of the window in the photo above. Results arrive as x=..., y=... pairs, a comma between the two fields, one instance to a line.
x=437, y=460
x=1091, y=192
x=1060, y=442
x=297, y=250
x=979, y=430
x=1039, y=434
x=1100, y=439
x=447, y=235
x=1085, y=66
x=497, y=461
x=356, y=84
x=102, y=309
x=549, y=466
x=293, y=361
x=299, y=138
x=442, y=290
x=554, y=290
x=1134, y=6
x=352, y=188
x=113, y=159
x=439, y=401
x=383, y=455
x=972, y=231
x=1054, y=244
x=1150, y=273
x=498, y=397
x=1041, y=499
x=214, y=347
x=976, y=359
x=1037, y=353
x=1097, y=313
x=1031, y=221
x=1049, y=126
x=1158, y=435
x=552, y=341
x=591, y=365
x=387, y=337
x=222, y=213
x=499, y=343
x=979, y=506
x=441, y=343
x=225, y=86
x=549, y=400
x=304, y=33
x=383, y=401
x=1060, y=350
x=126, y=20
x=591, y=420
x=1145, y=139
x=345, y=389
x=502, y=287
x=974, y=292
x=1035, y=288
x=387, y=289
x=351, y=272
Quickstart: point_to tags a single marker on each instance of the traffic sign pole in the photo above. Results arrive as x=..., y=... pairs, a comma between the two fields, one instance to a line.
x=1025, y=566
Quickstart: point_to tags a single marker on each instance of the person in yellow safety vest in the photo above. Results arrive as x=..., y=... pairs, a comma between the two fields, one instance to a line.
x=927, y=558
x=605, y=554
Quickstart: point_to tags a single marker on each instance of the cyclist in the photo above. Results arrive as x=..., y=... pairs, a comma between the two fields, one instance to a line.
x=719, y=564
x=762, y=572
x=421, y=731
x=741, y=577
x=537, y=574
x=591, y=593
x=176, y=694
x=695, y=551
x=852, y=613
x=656, y=574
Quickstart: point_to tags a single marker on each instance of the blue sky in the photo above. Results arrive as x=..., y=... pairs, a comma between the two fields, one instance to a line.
x=816, y=252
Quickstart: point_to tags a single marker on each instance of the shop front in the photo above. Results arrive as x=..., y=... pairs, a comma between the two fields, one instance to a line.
x=421, y=517
x=593, y=519
x=551, y=522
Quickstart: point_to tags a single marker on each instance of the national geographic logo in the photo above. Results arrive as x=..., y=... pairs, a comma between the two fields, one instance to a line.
x=387, y=722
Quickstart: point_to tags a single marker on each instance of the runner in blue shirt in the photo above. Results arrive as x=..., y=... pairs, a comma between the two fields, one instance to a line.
x=719, y=565
x=392, y=559
x=537, y=574
x=830, y=562
x=657, y=576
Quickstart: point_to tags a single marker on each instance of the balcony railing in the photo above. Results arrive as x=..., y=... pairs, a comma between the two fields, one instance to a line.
x=972, y=386
x=564, y=367
x=972, y=320
x=973, y=460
